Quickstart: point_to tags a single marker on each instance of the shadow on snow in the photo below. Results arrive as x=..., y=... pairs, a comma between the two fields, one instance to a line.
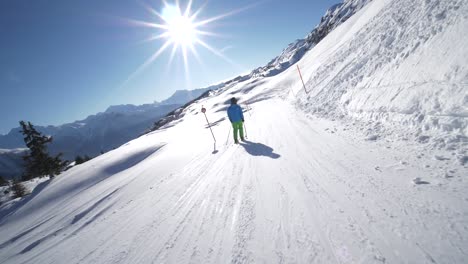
x=259, y=149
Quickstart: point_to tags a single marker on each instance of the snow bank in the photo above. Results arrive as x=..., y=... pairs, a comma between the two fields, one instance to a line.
x=399, y=66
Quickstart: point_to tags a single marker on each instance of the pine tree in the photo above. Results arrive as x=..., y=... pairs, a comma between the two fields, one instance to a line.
x=3, y=181
x=86, y=158
x=18, y=189
x=79, y=160
x=38, y=162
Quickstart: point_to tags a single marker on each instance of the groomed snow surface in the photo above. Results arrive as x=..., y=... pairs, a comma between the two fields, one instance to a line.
x=348, y=173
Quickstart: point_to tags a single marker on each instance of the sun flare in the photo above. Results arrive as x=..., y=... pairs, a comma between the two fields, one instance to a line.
x=183, y=30
x=180, y=29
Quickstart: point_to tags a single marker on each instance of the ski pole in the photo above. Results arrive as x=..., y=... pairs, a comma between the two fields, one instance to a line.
x=245, y=129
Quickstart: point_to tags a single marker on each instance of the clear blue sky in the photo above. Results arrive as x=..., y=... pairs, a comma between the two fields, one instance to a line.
x=61, y=61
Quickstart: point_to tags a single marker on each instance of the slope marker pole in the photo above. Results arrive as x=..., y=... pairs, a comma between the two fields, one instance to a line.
x=209, y=125
x=249, y=108
x=299, y=70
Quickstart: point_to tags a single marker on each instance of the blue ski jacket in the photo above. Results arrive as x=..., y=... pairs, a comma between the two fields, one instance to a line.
x=235, y=113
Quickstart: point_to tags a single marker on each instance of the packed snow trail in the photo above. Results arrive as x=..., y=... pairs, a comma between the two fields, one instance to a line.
x=293, y=193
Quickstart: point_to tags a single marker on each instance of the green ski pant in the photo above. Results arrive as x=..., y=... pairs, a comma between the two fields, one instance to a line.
x=237, y=127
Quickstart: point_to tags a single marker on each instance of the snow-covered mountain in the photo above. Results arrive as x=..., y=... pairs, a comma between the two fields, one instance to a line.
x=181, y=97
x=368, y=165
x=11, y=162
x=334, y=17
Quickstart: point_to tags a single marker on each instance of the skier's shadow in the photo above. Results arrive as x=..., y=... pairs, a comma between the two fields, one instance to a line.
x=259, y=149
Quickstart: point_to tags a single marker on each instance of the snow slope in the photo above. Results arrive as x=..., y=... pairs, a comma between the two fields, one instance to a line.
x=308, y=186
x=405, y=65
x=296, y=194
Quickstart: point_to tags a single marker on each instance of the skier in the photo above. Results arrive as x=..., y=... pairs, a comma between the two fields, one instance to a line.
x=237, y=119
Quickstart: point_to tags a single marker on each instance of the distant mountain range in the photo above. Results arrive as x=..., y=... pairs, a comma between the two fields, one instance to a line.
x=11, y=162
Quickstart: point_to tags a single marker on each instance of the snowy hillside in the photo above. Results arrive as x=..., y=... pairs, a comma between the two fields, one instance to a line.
x=368, y=166
x=401, y=73
x=104, y=131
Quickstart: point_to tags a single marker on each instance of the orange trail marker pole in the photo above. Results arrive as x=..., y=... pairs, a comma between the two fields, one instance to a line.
x=297, y=65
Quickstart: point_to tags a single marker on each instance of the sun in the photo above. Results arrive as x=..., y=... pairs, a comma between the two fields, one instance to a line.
x=182, y=29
